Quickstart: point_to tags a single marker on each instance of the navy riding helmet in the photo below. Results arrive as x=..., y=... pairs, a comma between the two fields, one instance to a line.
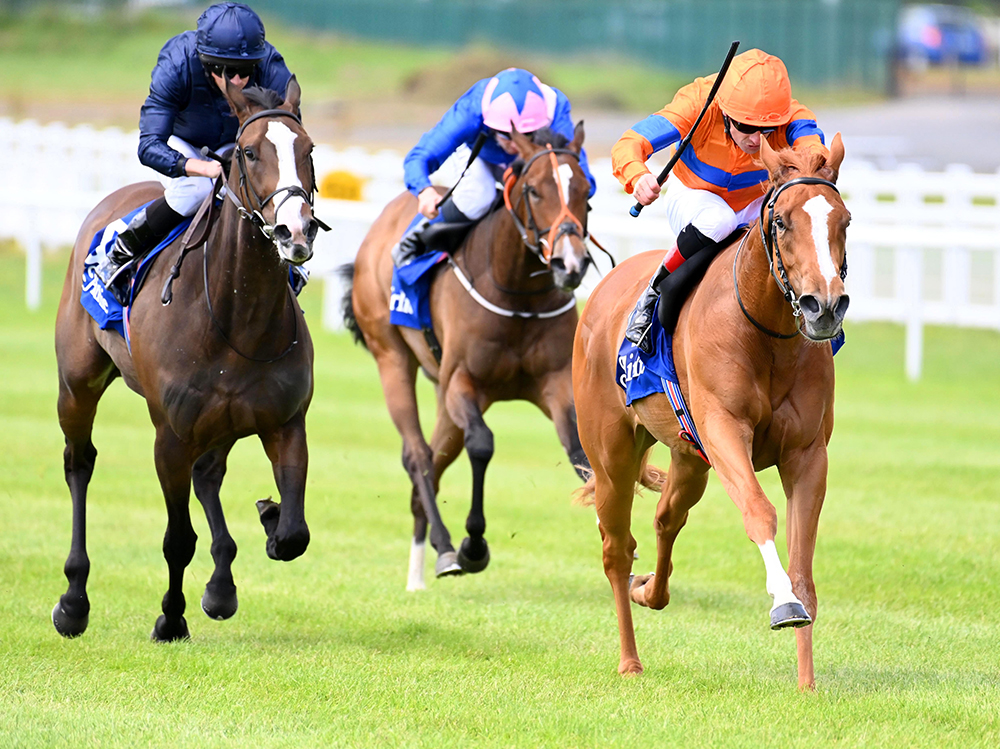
x=230, y=34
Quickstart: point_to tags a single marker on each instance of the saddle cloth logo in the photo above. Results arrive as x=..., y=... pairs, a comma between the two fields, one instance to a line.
x=409, y=298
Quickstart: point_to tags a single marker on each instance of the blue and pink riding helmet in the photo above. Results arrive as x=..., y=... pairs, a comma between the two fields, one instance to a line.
x=516, y=98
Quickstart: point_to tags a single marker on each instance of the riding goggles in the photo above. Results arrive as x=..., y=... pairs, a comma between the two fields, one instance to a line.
x=231, y=70
x=750, y=129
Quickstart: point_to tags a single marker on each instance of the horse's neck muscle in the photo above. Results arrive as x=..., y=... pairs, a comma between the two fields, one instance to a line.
x=246, y=278
x=494, y=246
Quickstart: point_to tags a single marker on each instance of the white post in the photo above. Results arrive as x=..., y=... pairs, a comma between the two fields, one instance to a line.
x=33, y=271
x=910, y=277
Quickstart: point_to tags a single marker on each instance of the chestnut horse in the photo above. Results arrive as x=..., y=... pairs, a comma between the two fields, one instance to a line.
x=506, y=334
x=754, y=362
x=229, y=358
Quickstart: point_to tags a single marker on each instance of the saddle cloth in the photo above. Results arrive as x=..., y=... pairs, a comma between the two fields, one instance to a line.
x=409, y=300
x=101, y=305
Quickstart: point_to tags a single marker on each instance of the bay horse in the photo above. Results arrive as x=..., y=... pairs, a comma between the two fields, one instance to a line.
x=229, y=358
x=504, y=312
x=755, y=366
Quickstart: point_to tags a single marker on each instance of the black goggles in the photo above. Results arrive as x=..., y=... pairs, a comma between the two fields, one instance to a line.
x=231, y=70
x=751, y=129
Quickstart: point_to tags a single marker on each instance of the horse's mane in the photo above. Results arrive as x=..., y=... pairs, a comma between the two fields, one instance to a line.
x=263, y=97
x=804, y=163
x=547, y=136
x=541, y=137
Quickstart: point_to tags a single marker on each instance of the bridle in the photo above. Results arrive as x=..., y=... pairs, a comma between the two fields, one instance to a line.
x=543, y=240
x=247, y=189
x=257, y=219
x=773, y=249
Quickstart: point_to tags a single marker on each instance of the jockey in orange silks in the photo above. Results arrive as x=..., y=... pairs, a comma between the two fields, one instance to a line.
x=717, y=185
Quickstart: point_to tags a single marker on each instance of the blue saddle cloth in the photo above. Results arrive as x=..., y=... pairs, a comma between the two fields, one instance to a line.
x=640, y=374
x=409, y=300
x=97, y=300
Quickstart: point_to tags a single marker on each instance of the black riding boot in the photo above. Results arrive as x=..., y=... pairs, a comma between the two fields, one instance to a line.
x=689, y=241
x=641, y=319
x=146, y=228
x=411, y=245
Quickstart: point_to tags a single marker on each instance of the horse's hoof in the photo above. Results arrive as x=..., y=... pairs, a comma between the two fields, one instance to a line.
x=465, y=554
x=167, y=631
x=447, y=564
x=219, y=607
x=792, y=614
x=66, y=625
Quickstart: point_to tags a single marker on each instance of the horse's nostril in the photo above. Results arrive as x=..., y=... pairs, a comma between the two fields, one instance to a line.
x=810, y=304
x=312, y=229
x=841, y=309
x=282, y=233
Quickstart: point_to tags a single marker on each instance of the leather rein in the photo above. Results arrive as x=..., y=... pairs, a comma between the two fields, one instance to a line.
x=769, y=238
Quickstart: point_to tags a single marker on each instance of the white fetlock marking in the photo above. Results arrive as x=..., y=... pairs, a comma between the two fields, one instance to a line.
x=778, y=585
x=415, y=581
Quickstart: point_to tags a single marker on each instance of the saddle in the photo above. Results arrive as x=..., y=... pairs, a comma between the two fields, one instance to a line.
x=677, y=287
x=195, y=236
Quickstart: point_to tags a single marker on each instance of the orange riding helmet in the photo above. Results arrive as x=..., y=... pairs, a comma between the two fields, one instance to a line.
x=756, y=90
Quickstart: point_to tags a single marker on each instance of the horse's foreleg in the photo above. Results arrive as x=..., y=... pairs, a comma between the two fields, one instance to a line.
x=285, y=523
x=173, y=467
x=219, y=600
x=803, y=476
x=397, y=371
x=729, y=446
x=686, y=481
x=462, y=405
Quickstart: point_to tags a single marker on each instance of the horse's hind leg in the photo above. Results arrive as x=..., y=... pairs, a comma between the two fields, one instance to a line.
x=285, y=524
x=463, y=408
x=79, y=394
x=219, y=600
x=397, y=370
x=685, y=484
x=173, y=466
x=557, y=403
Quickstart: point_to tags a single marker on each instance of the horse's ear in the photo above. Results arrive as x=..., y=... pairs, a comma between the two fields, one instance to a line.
x=577, y=142
x=769, y=158
x=836, y=156
x=293, y=96
x=237, y=101
x=523, y=144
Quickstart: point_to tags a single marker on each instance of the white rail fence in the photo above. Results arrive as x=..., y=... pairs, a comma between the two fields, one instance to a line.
x=923, y=247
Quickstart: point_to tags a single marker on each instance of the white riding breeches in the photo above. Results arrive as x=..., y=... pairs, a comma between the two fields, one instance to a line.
x=185, y=194
x=477, y=189
x=709, y=213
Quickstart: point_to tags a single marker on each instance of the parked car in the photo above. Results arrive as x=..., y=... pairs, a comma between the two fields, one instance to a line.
x=935, y=34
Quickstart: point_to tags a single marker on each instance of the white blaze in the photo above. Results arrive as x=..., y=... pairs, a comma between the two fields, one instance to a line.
x=563, y=176
x=818, y=209
x=290, y=213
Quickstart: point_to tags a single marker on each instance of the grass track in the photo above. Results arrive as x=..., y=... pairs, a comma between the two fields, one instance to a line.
x=329, y=650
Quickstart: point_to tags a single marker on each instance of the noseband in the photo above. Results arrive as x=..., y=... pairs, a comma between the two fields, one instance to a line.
x=777, y=267
x=565, y=223
x=247, y=189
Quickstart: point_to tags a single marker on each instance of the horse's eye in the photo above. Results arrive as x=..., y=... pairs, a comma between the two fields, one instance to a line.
x=248, y=152
x=532, y=191
x=779, y=222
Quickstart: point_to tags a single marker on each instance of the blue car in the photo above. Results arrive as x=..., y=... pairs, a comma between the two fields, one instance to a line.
x=935, y=34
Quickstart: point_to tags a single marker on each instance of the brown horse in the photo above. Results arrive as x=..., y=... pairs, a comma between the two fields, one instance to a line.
x=759, y=387
x=230, y=357
x=504, y=312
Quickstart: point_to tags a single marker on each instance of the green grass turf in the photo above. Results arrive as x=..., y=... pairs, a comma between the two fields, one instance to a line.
x=329, y=650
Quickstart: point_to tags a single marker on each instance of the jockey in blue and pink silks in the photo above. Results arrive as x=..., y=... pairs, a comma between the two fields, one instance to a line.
x=513, y=98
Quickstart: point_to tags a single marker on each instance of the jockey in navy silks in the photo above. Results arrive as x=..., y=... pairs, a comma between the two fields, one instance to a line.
x=512, y=98
x=186, y=110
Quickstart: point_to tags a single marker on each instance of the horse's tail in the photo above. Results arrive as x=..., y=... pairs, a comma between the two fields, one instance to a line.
x=650, y=477
x=346, y=274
